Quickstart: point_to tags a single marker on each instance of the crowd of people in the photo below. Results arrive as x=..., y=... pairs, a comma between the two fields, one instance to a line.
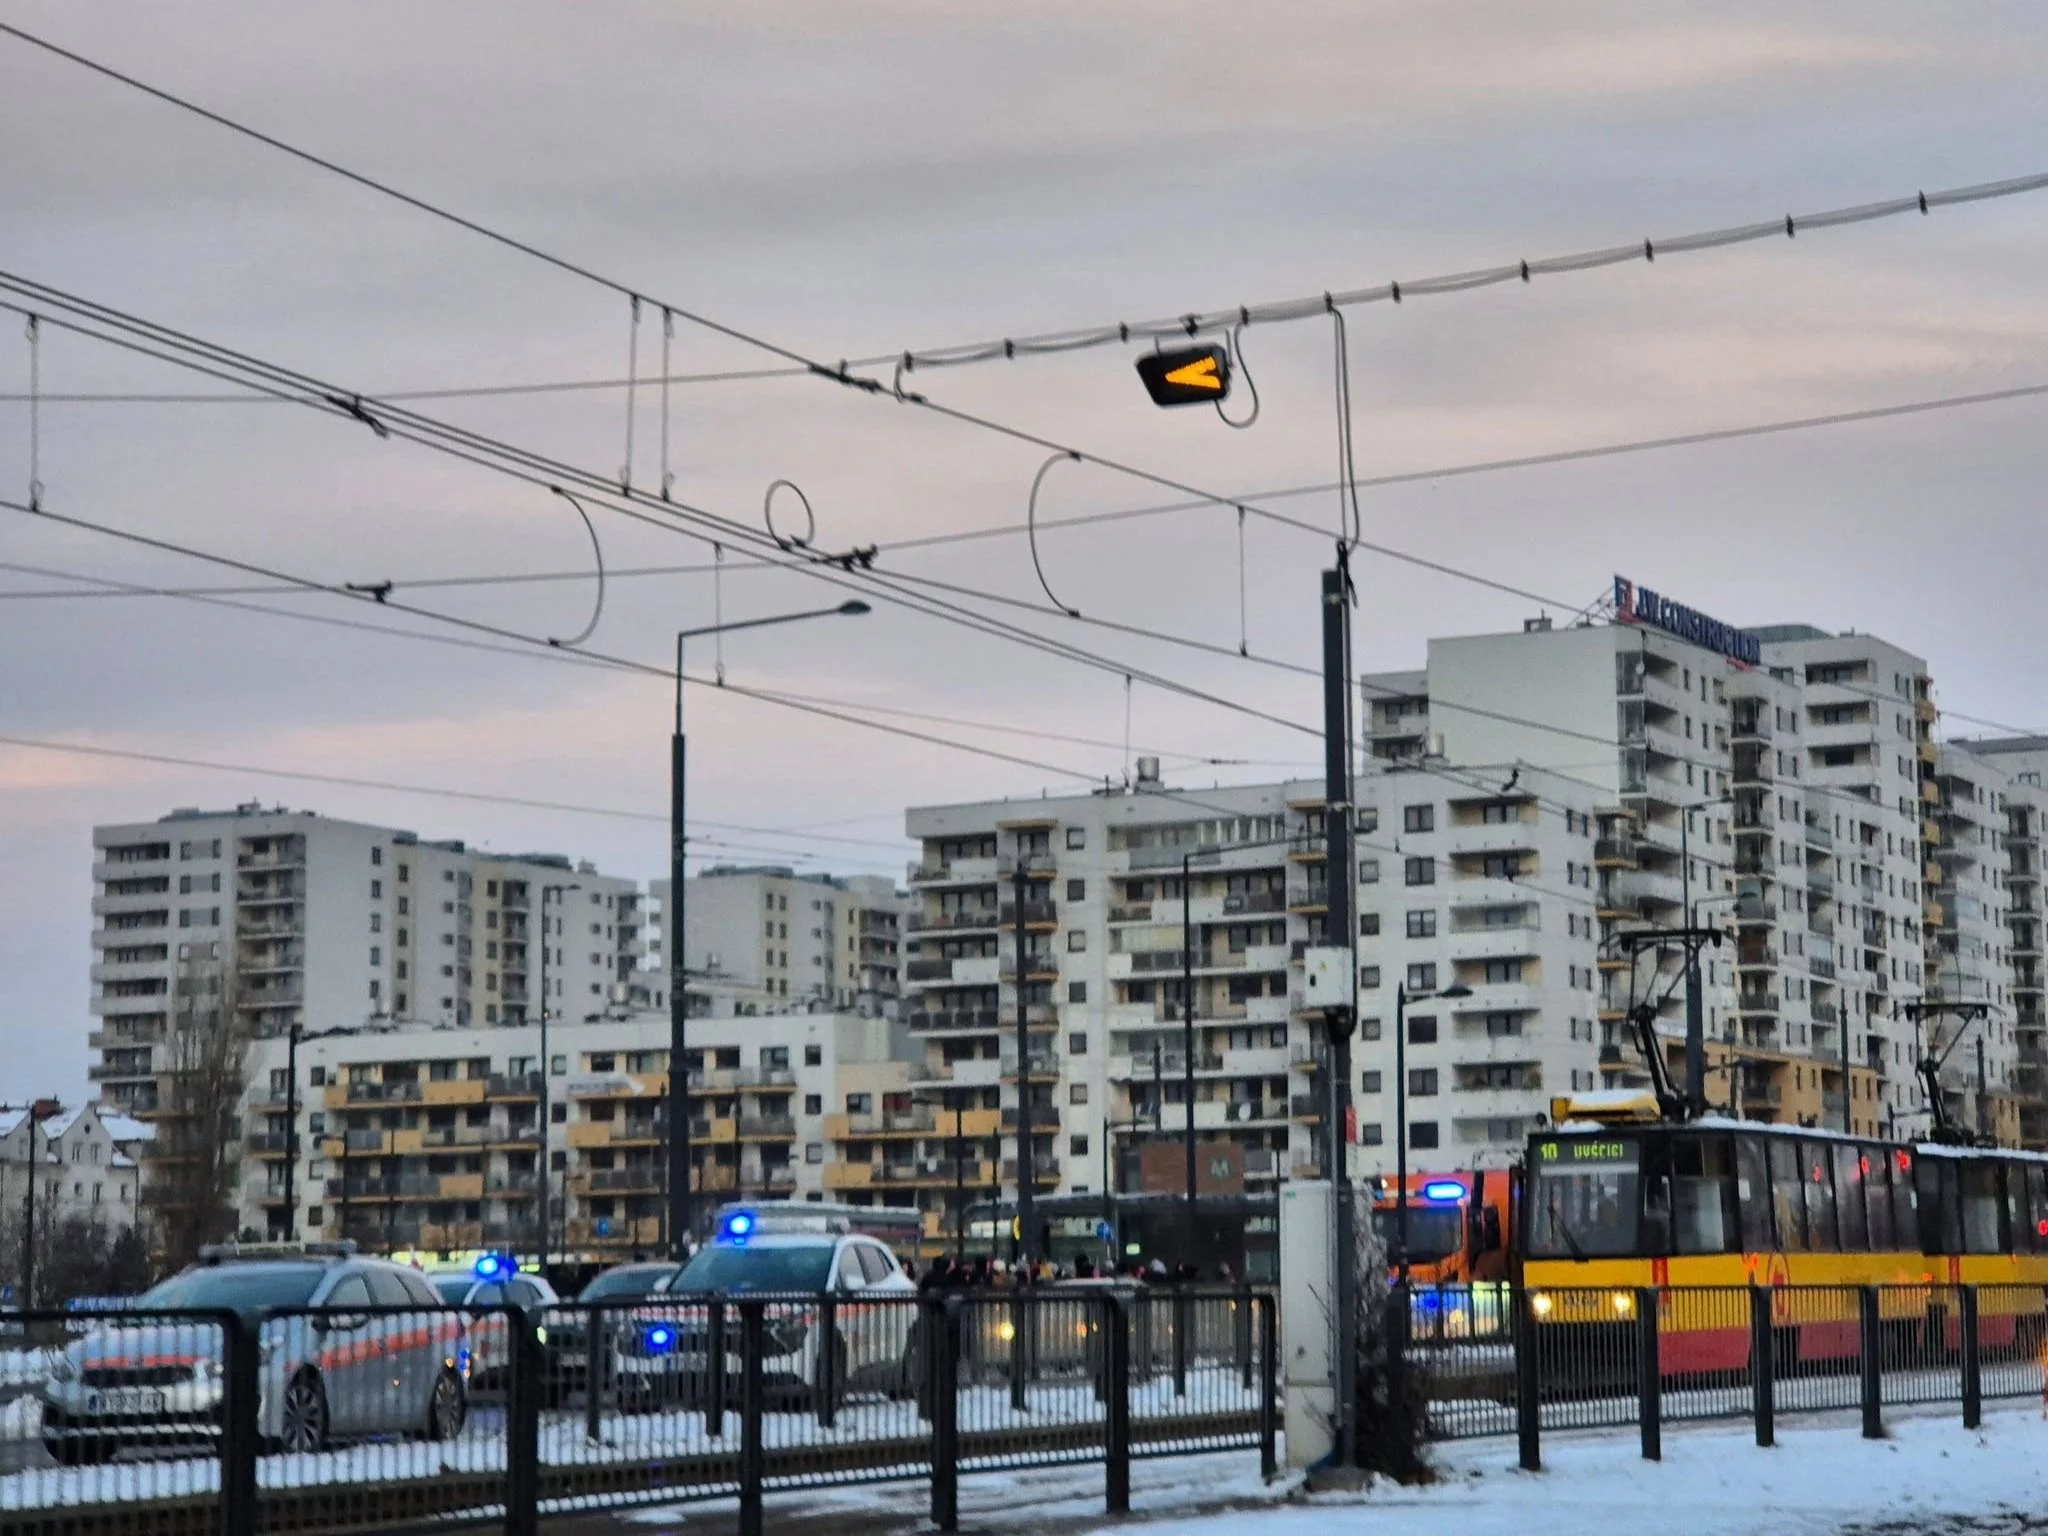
x=986, y=1273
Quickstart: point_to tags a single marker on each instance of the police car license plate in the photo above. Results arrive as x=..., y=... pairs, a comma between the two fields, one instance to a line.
x=128, y=1400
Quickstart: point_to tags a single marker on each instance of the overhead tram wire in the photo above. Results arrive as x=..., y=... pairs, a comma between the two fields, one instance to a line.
x=536, y=469
x=447, y=392
x=1067, y=341
x=1117, y=332
x=538, y=642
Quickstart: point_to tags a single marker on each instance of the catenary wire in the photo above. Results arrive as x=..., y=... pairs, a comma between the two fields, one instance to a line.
x=536, y=469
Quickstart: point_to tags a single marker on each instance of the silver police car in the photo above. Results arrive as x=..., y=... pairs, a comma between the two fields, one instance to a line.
x=338, y=1359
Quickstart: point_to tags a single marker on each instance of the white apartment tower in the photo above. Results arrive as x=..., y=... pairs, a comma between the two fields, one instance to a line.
x=776, y=940
x=288, y=919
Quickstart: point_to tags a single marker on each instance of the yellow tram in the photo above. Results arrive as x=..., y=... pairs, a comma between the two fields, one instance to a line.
x=1619, y=1197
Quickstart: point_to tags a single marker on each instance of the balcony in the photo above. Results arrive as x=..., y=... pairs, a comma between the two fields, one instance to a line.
x=1037, y=915
x=519, y=1085
x=948, y=922
x=938, y=1021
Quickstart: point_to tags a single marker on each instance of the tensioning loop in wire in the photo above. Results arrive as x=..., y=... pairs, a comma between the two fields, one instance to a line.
x=1235, y=344
x=1031, y=528
x=597, y=553
x=768, y=515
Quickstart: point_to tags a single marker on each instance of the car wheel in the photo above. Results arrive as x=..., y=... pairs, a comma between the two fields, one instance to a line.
x=447, y=1409
x=305, y=1424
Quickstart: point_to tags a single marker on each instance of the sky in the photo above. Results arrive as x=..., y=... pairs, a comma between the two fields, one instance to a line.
x=850, y=179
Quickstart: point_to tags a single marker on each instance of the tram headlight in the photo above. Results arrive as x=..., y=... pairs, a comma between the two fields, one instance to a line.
x=1624, y=1304
x=1541, y=1304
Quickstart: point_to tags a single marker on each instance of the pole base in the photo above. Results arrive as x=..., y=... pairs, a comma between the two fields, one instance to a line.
x=1336, y=1479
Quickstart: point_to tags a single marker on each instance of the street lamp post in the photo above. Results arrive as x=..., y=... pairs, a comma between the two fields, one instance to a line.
x=1695, y=1007
x=678, y=1213
x=543, y=1187
x=1402, y=998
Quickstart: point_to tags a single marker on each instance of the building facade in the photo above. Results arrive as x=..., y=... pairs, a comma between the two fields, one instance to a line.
x=274, y=920
x=430, y=1139
x=84, y=1165
x=774, y=939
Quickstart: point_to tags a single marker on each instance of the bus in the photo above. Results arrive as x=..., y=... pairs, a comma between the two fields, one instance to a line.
x=1619, y=1197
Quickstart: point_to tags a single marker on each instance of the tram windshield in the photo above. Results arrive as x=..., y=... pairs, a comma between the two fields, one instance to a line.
x=1585, y=1198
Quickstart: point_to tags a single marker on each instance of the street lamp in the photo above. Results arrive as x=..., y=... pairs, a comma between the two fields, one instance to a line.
x=546, y=1062
x=1402, y=998
x=678, y=1026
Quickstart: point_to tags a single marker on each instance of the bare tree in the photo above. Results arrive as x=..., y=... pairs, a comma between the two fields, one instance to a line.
x=193, y=1167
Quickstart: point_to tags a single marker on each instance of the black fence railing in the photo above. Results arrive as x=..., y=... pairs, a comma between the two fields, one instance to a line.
x=1501, y=1360
x=298, y=1420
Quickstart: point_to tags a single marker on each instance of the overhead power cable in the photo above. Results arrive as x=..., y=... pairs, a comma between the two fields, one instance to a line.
x=1188, y=324
x=482, y=797
x=446, y=392
x=84, y=317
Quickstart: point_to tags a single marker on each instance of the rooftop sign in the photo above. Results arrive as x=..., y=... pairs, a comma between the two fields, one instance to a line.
x=1639, y=605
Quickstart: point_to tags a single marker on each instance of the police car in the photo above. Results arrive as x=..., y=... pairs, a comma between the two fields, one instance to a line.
x=791, y=1255
x=335, y=1365
x=494, y=1282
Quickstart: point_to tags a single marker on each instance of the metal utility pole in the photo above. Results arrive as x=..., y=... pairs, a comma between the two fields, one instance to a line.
x=1339, y=931
x=1695, y=1016
x=959, y=1179
x=291, y=1133
x=677, y=1214
x=1027, y=1175
x=1985, y=1133
x=1187, y=1042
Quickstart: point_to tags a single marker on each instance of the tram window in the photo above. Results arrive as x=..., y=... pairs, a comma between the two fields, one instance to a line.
x=1877, y=1194
x=1905, y=1209
x=1787, y=1197
x=1852, y=1225
x=2017, y=1226
x=2037, y=1193
x=1753, y=1194
x=1702, y=1195
x=1934, y=1189
x=1820, y=1196
x=1981, y=1200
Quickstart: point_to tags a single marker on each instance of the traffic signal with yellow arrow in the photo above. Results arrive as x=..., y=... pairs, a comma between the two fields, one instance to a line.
x=1186, y=375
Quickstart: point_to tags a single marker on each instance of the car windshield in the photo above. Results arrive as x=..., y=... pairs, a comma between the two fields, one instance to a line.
x=1434, y=1232
x=624, y=1282
x=237, y=1287
x=745, y=1267
x=452, y=1287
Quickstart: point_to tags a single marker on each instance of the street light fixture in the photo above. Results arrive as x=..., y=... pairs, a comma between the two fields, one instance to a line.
x=1402, y=998
x=678, y=1007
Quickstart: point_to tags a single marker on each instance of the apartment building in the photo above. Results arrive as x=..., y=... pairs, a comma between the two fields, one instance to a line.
x=435, y=1139
x=288, y=919
x=775, y=939
x=1782, y=785
x=1142, y=916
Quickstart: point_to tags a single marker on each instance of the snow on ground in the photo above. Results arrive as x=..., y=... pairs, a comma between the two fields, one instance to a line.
x=1713, y=1481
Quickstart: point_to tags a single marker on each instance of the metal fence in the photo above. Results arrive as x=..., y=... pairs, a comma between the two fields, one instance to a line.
x=332, y=1421
x=1500, y=1360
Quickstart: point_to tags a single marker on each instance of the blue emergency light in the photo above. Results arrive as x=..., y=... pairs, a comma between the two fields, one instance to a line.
x=738, y=1225
x=493, y=1266
x=1443, y=1189
x=659, y=1338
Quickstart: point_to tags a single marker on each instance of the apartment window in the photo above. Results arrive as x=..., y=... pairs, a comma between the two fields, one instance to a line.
x=771, y=903
x=1499, y=971
x=1368, y=925
x=1077, y=941
x=1077, y=1093
x=814, y=1152
x=814, y=1055
x=1370, y=1083
x=1418, y=818
x=1498, y=813
x=405, y=874
x=1501, y=866
x=1420, y=871
x=1422, y=923
x=814, y=1103
x=1077, y=1146
x=1368, y=977
x=1077, y=890
x=404, y=905
x=376, y=954
x=376, y=890
x=1369, y=1029
x=1422, y=1082
x=1422, y=976
x=1077, y=837
x=1422, y=1029
x=1368, y=871
x=403, y=968
x=1422, y=1133
x=1077, y=991
x=1372, y=1133
x=376, y=855
x=860, y=1103
x=1077, y=1045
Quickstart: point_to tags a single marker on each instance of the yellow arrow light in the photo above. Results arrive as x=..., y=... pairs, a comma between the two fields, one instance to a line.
x=1200, y=374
